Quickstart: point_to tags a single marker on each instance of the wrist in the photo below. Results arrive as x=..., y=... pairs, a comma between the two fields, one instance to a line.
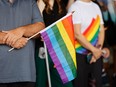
x=22, y=30
x=93, y=50
x=1, y=37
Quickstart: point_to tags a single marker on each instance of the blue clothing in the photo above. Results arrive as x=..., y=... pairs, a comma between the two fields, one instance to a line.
x=18, y=65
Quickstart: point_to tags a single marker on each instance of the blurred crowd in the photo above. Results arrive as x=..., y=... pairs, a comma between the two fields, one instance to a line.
x=108, y=9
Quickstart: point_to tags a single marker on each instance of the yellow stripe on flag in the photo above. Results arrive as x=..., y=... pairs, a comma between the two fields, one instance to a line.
x=66, y=39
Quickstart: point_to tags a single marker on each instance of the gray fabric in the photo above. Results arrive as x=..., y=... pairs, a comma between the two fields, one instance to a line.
x=18, y=65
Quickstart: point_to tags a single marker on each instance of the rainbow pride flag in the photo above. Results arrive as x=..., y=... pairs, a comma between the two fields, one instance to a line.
x=91, y=34
x=59, y=40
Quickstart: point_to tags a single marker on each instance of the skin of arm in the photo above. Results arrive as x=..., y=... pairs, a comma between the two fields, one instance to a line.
x=99, y=44
x=83, y=41
x=1, y=37
x=101, y=36
x=12, y=36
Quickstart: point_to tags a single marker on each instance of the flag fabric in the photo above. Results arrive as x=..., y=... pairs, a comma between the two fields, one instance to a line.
x=91, y=34
x=59, y=40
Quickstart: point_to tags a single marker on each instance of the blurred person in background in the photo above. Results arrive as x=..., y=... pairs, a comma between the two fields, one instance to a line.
x=85, y=11
x=110, y=22
x=51, y=10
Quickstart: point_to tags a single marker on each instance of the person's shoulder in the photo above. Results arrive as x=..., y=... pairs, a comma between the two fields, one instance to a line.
x=75, y=4
x=96, y=5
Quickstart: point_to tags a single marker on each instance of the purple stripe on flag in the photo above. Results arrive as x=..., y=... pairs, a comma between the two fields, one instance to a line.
x=55, y=59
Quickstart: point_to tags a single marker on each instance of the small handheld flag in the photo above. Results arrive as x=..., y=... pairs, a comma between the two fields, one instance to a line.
x=59, y=39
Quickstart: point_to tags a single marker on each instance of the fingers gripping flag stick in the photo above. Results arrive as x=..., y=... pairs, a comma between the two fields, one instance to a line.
x=27, y=39
x=89, y=56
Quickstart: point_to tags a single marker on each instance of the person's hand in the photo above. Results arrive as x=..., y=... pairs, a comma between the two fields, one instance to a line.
x=93, y=60
x=97, y=53
x=12, y=36
x=106, y=52
x=20, y=43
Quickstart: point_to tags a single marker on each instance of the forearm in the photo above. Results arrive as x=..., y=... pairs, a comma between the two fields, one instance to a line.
x=24, y=31
x=31, y=29
x=1, y=37
x=81, y=38
x=101, y=36
x=84, y=42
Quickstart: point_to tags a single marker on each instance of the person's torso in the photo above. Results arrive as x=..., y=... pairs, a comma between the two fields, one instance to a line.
x=88, y=12
x=54, y=14
x=14, y=15
x=17, y=64
x=89, y=16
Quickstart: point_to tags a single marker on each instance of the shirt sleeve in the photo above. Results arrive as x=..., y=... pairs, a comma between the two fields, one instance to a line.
x=101, y=18
x=76, y=15
x=36, y=13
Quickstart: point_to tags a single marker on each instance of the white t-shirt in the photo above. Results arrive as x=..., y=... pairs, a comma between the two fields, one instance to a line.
x=84, y=13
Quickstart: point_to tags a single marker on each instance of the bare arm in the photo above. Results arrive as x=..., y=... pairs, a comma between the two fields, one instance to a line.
x=99, y=44
x=25, y=31
x=1, y=37
x=31, y=29
x=19, y=43
x=85, y=43
x=101, y=36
